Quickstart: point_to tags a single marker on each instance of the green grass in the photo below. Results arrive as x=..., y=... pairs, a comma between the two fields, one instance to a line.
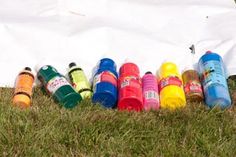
x=90, y=130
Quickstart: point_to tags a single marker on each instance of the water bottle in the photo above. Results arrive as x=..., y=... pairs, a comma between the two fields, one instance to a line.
x=57, y=86
x=150, y=92
x=23, y=88
x=105, y=83
x=130, y=88
x=172, y=95
x=212, y=72
x=79, y=81
x=192, y=86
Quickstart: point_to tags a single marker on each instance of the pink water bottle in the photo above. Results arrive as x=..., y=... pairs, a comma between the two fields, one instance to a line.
x=150, y=92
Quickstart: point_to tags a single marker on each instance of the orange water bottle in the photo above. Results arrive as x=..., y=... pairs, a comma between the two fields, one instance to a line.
x=171, y=87
x=23, y=88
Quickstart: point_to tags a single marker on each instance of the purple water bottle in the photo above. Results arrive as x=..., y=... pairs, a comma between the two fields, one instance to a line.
x=150, y=92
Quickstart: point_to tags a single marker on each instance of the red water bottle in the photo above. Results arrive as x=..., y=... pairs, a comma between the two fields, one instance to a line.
x=130, y=88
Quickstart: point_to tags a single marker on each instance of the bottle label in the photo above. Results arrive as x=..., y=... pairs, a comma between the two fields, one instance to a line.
x=79, y=80
x=172, y=80
x=125, y=83
x=213, y=73
x=55, y=83
x=24, y=84
x=105, y=76
x=193, y=87
x=130, y=81
x=151, y=95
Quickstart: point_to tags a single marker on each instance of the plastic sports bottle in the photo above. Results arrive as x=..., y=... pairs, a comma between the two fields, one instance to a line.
x=172, y=95
x=214, y=82
x=79, y=81
x=192, y=86
x=150, y=92
x=130, y=88
x=23, y=88
x=57, y=86
x=105, y=83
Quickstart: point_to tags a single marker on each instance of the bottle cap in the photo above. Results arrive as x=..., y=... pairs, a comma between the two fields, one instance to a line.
x=148, y=72
x=27, y=68
x=72, y=64
x=208, y=52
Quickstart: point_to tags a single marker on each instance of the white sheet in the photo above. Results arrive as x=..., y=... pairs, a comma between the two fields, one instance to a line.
x=146, y=32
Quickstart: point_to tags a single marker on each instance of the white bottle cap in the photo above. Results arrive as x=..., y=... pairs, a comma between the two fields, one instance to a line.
x=41, y=63
x=128, y=60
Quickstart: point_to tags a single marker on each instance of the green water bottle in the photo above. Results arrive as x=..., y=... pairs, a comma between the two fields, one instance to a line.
x=79, y=81
x=57, y=85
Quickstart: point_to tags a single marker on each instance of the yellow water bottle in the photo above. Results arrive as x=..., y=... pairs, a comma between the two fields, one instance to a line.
x=171, y=87
x=79, y=81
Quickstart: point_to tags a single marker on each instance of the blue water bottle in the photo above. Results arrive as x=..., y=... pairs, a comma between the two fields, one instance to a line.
x=105, y=83
x=212, y=72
